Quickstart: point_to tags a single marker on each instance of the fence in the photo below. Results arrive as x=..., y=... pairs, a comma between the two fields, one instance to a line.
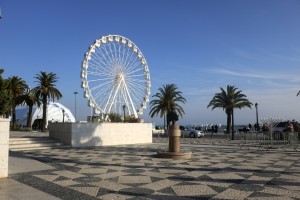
x=266, y=140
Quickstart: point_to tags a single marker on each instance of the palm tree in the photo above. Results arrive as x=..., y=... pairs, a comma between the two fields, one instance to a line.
x=30, y=100
x=17, y=86
x=46, y=90
x=5, y=97
x=229, y=100
x=167, y=101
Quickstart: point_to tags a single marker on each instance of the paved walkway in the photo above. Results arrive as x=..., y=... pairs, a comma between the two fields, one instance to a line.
x=218, y=169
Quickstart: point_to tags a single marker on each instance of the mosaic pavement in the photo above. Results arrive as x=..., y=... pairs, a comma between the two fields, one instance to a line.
x=215, y=171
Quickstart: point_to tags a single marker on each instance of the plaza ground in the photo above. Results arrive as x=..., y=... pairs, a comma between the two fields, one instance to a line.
x=218, y=169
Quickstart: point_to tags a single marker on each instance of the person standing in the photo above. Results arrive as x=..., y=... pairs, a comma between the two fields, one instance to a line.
x=250, y=127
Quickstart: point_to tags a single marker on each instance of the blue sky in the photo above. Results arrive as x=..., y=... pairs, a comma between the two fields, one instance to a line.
x=199, y=45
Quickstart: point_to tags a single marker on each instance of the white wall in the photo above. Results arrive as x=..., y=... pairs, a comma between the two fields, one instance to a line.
x=4, y=145
x=101, y=134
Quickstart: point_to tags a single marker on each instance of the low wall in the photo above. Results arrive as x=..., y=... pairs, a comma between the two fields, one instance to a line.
x=101, y=134
x=4, y=145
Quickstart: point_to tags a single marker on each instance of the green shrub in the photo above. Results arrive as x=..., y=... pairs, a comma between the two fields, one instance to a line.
x=115, y=117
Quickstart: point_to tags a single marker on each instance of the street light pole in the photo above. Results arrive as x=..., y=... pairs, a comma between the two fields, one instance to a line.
x=124, y=107
x=75, y=106
x=257, y=125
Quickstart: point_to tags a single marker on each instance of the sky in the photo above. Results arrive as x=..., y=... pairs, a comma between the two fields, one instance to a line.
x=199, y=45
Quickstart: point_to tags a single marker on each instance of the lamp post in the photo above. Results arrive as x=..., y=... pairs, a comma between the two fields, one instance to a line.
x=63, y=111
x=124, y=107
x=75, y=105
x=257, y=125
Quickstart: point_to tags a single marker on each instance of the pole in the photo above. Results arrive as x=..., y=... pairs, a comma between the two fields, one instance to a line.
x=124, y=112
x=232, y=136
x=63, y=111
x=257, y=126
x=75, y=106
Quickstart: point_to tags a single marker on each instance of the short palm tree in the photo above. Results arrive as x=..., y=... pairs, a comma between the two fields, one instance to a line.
x=166, y=101
x=17, y=86
x=30, y=100
x=5, y=97
x=229, y=100
x=46, y=90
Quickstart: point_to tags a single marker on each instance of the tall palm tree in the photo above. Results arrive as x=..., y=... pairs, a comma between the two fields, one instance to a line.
x=166, y=101
x=17, y=86
x=46, y=90
x=229, y=100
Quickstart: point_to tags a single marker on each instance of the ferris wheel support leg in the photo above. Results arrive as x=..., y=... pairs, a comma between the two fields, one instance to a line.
x=133, y=108
x=114, y=97
x=105, y=107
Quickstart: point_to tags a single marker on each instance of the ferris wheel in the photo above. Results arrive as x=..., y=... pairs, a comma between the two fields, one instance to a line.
x=115, y=76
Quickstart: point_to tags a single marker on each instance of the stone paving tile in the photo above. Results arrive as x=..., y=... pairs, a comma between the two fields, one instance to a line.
x=232, y=194
x=194, y=190
x=92, y=191
x=158, y=185
x=114, y=197
x=134, y=179
x=109, y=185
x=132, y=172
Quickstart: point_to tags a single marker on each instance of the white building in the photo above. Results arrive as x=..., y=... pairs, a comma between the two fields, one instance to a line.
x=56, y=112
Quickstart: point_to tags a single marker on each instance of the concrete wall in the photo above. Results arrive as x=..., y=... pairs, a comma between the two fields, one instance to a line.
x=101, y=134
x=4, y=146
x=61, y=132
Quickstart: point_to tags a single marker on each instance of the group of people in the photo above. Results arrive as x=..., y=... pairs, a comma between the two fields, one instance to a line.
x=289, y=127
x=213, y=128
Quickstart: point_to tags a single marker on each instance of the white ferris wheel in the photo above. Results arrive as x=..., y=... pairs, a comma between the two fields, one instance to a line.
x=115, y=76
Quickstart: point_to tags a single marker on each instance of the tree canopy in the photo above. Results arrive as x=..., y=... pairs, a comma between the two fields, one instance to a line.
x=228, y=100
x=166, y=101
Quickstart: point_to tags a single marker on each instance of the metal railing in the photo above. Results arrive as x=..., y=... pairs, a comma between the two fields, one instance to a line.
x=268, y=140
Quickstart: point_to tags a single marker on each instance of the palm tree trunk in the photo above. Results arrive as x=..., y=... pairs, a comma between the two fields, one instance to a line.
x=228, y=123
x=165, y=122
x=14, y=117
x=29, y=118
x=44, y=113
x=232, y=126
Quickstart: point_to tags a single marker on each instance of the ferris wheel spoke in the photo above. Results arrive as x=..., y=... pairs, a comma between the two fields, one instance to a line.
x=109, y=56
x=101, y=67
x=98, y=71
x=100, y=95
x=103, y=57
x=113, y=54
x=115, y=51
x=138, y=93
x=101, y=85
x=133, y=63
x=133, y=72
x=101, y=74
x=124, y=51
x=136, y=88
x=131, y=59
x=128, y=53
